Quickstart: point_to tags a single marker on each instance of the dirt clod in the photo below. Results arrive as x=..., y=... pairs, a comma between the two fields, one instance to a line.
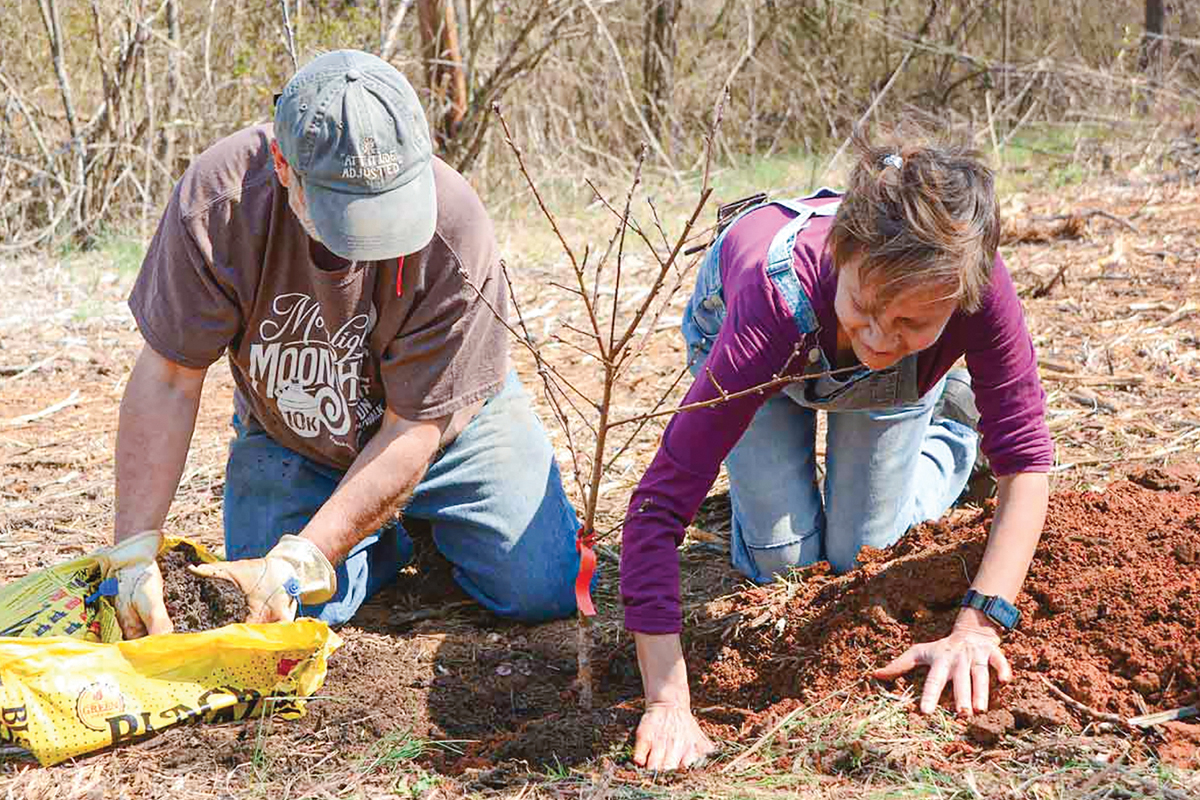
x=196, y=603
x=990, y=728
x=1040, y=713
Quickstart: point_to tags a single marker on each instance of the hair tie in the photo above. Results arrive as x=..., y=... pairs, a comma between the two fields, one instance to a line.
x=893, y=160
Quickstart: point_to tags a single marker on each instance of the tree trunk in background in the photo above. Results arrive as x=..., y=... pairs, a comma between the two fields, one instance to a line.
x=1151, y=43
x=166, y=153
x=443, y=68
x=658, y=65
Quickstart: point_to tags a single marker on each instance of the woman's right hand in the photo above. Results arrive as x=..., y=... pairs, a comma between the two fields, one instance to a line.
x=668, y=737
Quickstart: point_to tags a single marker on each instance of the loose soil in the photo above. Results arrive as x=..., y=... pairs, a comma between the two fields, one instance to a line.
x=1110, y=612
x=194, y=602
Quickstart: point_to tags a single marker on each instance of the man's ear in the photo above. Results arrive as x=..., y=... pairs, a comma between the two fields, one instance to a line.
x=281, y=166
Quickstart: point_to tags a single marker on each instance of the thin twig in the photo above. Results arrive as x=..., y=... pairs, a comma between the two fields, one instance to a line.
x=633, y=103
x=624, y=226
x=637, y=431
x=525, y=341
x=1104, y=716
x=761, y=388
x=870, y=109
x=575, y=265
x=290, y=35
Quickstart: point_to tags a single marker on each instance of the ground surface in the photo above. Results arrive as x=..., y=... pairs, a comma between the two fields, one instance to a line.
x=431, y=696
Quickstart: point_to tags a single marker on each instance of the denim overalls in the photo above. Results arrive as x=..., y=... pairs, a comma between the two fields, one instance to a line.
x=888, y=464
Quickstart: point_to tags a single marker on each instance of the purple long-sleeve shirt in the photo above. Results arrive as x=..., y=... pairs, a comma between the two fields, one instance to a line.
x=754, y=345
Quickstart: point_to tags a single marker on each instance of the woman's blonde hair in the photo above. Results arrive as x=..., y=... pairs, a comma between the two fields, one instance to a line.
x=919, y=214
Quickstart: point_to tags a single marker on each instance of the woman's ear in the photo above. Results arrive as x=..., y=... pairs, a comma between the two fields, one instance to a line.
x=281, y=166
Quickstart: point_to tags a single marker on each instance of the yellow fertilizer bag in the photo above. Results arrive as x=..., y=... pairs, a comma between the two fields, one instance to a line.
x=69, y=686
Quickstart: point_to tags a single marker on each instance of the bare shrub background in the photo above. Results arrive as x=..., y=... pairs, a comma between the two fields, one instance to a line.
x=105, y=102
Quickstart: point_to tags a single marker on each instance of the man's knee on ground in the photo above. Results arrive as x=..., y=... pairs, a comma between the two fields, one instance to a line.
x=540, y=598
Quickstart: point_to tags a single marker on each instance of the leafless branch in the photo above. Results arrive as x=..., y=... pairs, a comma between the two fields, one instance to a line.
x=389, y=43
x=575, y=264
x=761, y=388
x=289, y=34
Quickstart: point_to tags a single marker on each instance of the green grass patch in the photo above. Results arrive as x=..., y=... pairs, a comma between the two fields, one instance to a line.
x=399, y=748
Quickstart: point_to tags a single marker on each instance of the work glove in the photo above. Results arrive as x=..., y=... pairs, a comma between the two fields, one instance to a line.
x=139, y=600
x=294, y=571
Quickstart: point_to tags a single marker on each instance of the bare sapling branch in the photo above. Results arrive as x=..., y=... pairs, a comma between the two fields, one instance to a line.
x=762, y=388
x=527, y=343
x=684, y=236
x=637, y=432
x=624, y=226
x=544, y=371
x=576, y=265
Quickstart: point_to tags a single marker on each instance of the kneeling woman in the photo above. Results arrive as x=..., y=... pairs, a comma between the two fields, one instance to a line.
x=868, y=299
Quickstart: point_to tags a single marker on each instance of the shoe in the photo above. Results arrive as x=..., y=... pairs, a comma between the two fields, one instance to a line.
x=958, y=400
x=958, y=403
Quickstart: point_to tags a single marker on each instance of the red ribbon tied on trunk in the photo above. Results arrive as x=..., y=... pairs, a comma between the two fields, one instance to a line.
x=585, y=543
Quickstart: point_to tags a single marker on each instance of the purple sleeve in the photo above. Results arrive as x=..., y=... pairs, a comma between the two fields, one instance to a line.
x=752, y=347
x=1008, y=391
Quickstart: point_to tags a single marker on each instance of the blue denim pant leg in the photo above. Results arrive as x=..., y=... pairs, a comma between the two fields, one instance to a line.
x=271, y=490
x=777, y=513
x=494, y=497
x=888, y=470
x=498, y=511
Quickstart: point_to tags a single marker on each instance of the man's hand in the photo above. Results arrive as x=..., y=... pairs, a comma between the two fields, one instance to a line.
x=139, y=603
x=668, y=737
x=293, y=571
x=964, y=657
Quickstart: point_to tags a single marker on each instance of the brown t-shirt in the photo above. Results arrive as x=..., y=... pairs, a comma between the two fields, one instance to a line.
x=317, y=354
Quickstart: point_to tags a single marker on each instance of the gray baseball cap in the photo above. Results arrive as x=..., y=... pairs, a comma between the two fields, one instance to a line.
x=350, y=125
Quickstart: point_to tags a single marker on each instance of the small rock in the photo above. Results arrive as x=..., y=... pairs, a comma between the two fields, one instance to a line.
x=504, y=670
x=1185, y=552
x=990, y=728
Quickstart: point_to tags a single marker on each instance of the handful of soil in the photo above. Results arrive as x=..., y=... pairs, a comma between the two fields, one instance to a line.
x=197, y=603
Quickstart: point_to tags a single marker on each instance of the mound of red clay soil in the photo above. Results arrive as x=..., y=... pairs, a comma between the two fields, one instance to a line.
x=194, y=602
x=1110, y=612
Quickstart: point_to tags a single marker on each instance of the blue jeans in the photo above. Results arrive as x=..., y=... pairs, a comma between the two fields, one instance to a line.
x=889, y=464
x=494, y=500
x=885, y=471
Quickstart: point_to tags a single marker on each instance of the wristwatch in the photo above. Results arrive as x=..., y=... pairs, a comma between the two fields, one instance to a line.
x=994, y=607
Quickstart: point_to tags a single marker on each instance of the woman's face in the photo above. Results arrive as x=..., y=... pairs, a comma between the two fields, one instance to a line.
x=883, y=332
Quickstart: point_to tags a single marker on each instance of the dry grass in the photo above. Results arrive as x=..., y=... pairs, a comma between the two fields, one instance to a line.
x=1113, y=315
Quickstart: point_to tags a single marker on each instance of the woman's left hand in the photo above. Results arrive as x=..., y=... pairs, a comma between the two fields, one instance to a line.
x=964, y=657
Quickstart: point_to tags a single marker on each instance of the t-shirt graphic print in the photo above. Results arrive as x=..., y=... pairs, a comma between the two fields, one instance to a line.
x=315, y=376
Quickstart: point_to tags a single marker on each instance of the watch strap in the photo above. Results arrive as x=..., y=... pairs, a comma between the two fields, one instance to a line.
x=994, y=607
